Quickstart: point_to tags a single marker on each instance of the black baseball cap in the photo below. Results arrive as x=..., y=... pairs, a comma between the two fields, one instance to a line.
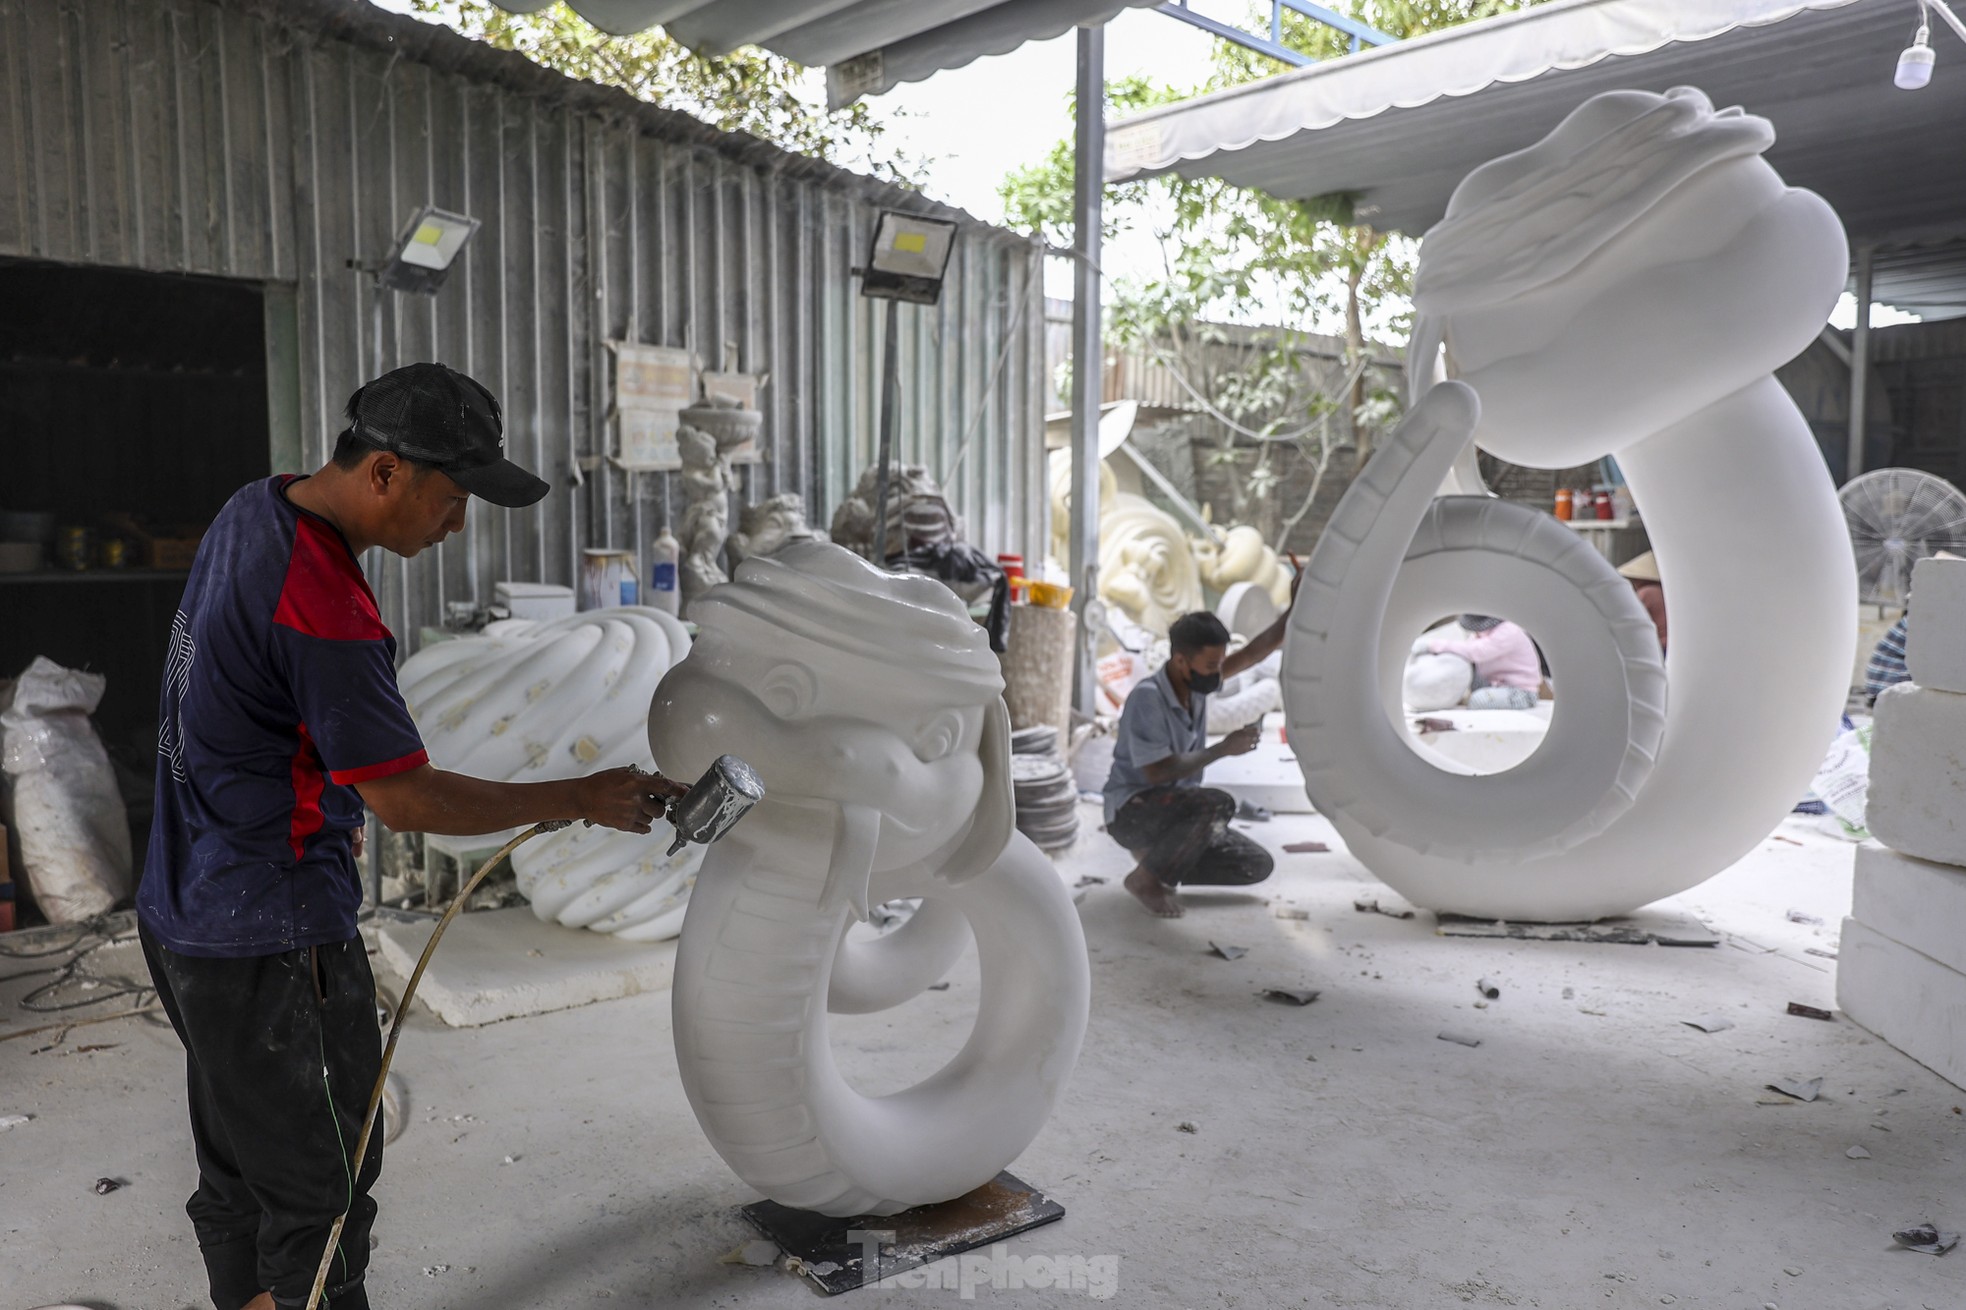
x=435, y=415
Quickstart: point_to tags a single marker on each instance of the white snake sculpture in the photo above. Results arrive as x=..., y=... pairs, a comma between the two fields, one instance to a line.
x=871, y=707
x=1626, y=285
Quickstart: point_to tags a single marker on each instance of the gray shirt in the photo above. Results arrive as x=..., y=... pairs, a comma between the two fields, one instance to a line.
x=1153, y=727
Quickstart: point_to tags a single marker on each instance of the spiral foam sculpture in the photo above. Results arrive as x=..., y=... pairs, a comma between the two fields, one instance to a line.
x=537, y=702
x=1626, y=286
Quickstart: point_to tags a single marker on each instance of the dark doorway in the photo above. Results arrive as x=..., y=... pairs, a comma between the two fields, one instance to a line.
x=132, y=405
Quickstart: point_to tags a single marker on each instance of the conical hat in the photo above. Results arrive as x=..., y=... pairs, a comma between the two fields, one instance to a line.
x=1642, y=568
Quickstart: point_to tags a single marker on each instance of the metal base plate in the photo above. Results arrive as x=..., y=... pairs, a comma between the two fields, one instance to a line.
x=834, y=1253
x=1641, y=929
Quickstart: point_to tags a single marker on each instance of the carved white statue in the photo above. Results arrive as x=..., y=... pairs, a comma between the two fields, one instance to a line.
x=769, y=526
x=1146, y=566
x=917, y=511
x=1242, y=558
x=709, y=433
x=871, y=706
x=1626, y=285
x=557, y=700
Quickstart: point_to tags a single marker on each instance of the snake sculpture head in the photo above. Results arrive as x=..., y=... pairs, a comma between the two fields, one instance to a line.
x=1635, y=266
x=1624, y=286
x=871, y=707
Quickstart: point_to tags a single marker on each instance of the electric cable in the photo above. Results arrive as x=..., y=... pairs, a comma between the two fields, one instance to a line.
x=396, y=1032
x=73, y=970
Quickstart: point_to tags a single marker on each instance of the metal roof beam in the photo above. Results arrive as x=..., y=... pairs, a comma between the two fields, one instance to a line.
x=1178, y=9
x=1362, y=34
x=1359, y=32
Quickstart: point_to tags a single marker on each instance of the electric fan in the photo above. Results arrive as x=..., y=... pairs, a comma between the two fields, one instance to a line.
x=1897, y=517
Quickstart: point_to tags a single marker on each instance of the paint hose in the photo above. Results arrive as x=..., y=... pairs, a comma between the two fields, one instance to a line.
x=396, y=1031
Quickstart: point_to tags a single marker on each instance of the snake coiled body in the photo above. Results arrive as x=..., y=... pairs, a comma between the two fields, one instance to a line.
x=1626, y=286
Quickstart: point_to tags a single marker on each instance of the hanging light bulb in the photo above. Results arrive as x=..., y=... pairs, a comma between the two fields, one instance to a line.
x=1915, y=64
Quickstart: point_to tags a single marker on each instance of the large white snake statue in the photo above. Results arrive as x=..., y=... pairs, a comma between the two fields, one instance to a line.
x=1626, y=285
x=555, y=700
x=872, y=709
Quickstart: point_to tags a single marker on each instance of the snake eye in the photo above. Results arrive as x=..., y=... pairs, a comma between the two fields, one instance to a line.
x=789, y=691
x=941, y=736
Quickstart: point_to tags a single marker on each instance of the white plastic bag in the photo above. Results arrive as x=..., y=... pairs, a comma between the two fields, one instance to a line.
x=1843, y=782
x=1244, y=702
x=1436, y=682
x=74, y=831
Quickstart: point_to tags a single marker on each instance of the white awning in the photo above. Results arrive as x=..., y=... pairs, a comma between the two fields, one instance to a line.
x=1392, y=130
x=866, y=46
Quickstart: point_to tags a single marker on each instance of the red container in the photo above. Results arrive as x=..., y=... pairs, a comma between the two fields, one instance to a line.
x=1012, y=565
x=1602, y=503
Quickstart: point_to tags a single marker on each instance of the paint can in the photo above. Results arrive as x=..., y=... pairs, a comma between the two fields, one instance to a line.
x=607, y=579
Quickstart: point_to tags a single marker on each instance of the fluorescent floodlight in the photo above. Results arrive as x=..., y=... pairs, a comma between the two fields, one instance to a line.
x=425, y=249
x=909, y=258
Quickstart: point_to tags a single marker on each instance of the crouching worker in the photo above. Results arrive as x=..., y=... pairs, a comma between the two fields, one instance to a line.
x=1156, y=807
x=281, y=721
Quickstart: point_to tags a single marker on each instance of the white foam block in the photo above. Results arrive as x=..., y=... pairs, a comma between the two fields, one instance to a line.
x=1913, y=901
x=1267, y=776
x=1487, y=741
x=1917, y=800
x=1905, y=997
x=1935, y=639
x=501, y=964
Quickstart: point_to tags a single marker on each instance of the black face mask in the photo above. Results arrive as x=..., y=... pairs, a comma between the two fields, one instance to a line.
x=1204, y=682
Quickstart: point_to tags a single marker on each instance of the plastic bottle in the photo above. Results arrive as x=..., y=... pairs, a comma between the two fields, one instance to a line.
x=1563, y=504
x=663, y=590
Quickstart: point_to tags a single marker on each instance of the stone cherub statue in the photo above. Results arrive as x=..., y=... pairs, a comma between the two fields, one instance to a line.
x=707, y=436
x=770, y=525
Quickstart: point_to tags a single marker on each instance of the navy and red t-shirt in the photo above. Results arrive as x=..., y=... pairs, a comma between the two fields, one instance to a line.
x=279, y=696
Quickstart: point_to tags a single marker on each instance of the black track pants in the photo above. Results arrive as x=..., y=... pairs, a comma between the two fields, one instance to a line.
x=281, y=1054
x=1182, y=836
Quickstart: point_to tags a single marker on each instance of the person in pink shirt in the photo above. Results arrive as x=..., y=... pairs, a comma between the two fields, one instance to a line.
x=1501, y=652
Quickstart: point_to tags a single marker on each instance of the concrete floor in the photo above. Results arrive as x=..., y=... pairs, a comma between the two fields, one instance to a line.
x=1592, y=1151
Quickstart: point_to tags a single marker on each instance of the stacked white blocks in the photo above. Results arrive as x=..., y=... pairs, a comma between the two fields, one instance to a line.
x=1902, y=966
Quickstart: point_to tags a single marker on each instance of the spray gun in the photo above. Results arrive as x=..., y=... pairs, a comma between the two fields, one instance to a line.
x=723, y=795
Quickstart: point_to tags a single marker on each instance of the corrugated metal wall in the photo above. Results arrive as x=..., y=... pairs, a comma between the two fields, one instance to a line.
x=278, y=143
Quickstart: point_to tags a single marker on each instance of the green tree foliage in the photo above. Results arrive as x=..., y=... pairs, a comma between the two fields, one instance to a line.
x=748, y=90
x=1236, y=255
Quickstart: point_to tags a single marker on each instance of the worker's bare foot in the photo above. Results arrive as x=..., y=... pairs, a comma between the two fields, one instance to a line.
x=1153, y=893
x=264, y=1301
